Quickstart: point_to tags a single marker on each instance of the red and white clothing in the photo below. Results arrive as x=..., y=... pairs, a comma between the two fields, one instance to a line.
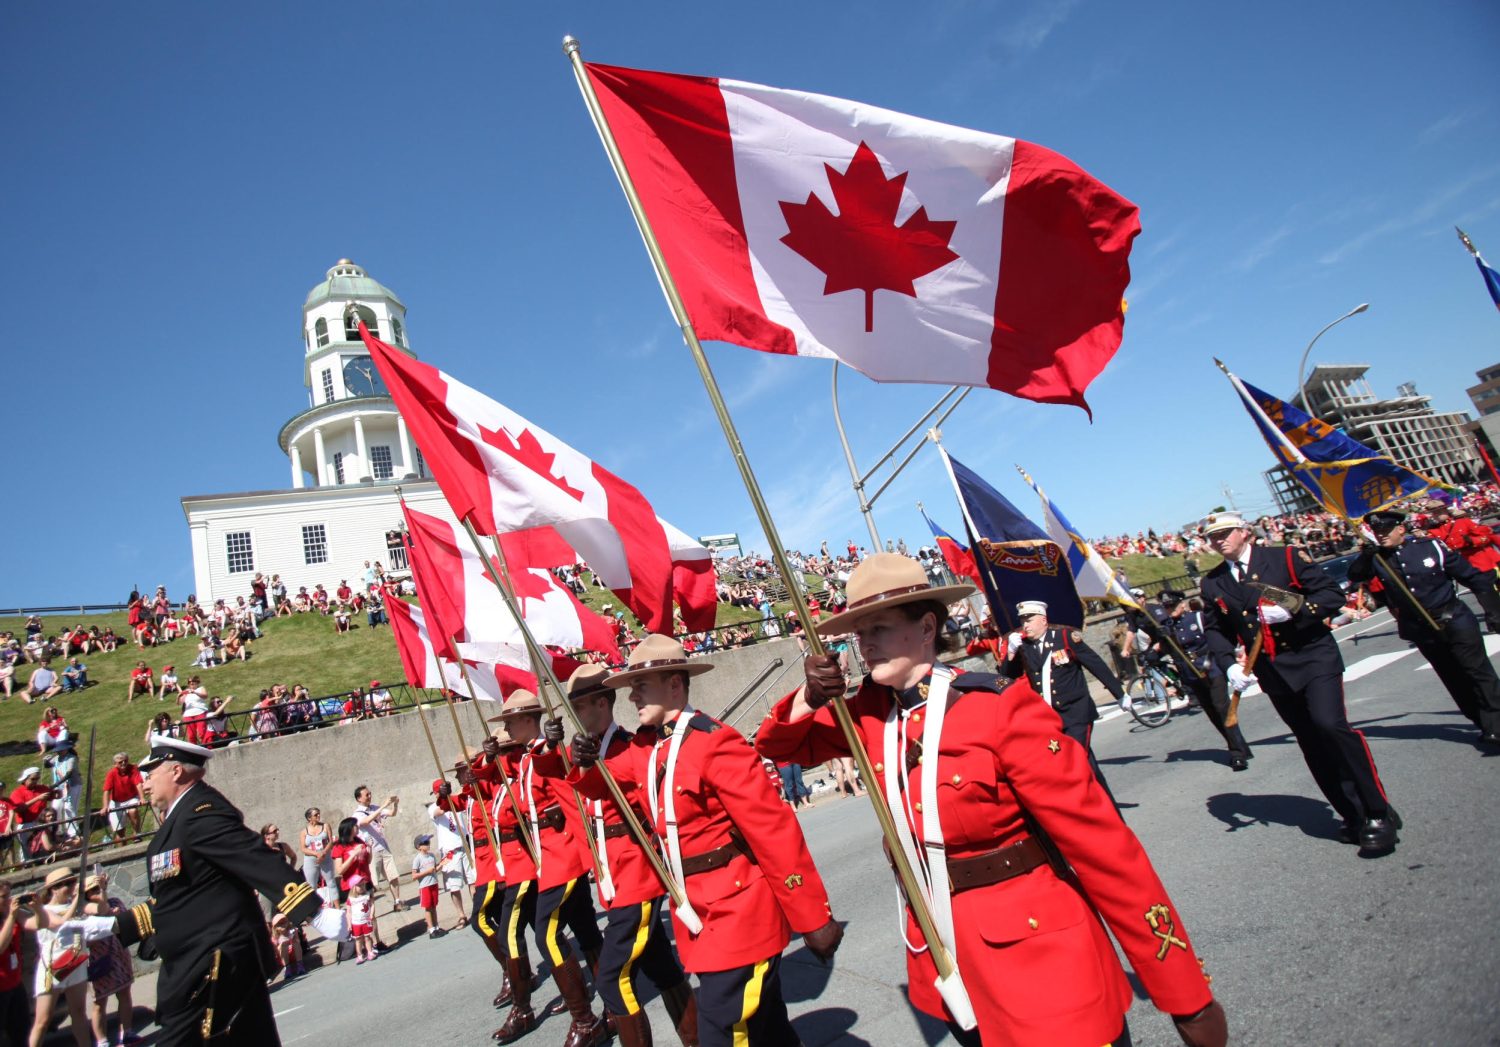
x=359, y=914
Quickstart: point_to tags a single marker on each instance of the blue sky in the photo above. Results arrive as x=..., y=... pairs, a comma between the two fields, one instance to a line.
x=179, y=175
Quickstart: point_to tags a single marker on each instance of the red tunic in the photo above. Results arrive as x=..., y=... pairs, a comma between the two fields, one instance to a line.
x=538, y=785
x=749, y=909
x=518, y=864
x=1474, y=541
x=1035, y=958
x=629, y=870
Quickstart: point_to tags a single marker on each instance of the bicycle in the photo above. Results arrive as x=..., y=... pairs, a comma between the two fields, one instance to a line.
x=1154, y=694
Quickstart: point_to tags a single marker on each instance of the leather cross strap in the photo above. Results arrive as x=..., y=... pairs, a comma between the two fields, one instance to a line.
x=997, y=866
x=551, y=818
x=716, y=858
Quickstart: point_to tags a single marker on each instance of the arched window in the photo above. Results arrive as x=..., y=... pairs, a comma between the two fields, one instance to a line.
x=397, y=333
x=321, y=330
x=351, y=325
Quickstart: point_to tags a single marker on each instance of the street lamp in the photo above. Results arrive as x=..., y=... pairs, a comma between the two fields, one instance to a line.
x=1302, y=366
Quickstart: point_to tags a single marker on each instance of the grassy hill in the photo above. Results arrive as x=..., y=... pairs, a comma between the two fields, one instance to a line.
x=301, y=649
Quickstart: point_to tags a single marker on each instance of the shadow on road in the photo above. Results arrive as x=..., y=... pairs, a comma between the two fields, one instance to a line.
x=1117, y=760
x=1198, y=755
x=804, y=976
x=829, y=1025
x=1238, y=811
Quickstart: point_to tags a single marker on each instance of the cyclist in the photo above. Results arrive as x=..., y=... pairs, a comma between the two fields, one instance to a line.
x=1199, y=676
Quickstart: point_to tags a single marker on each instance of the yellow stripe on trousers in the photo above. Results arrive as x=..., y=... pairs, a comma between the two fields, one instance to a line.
x=485, y=927
x=513, y=943
x=642, y=936
x=558, y=959
x=753, y=987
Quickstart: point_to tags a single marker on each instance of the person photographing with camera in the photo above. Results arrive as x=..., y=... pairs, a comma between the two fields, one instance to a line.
x=371, y=821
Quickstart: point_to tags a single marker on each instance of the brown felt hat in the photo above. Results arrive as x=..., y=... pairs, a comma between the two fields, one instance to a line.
x=885, y=580
x=60, y=875
x=520, y=703
x=656, y=654
x=587, y=681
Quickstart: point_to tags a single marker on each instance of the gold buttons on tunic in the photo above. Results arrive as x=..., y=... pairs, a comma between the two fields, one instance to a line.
x=918, y=805
x=879, y=767
x=957, y=779
x=1032, y=923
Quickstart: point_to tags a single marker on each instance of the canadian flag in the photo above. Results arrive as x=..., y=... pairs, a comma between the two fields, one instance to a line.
x=419, y=658
x=503, y=473
x=694, y=581
x=458, y=585
x=911, y=250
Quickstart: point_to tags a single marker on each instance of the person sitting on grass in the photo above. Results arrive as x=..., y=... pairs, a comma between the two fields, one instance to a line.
x=320, y=599
x=169, y=684
x=234, y=647
x=142, y=681
x=52, y=734
x=207, y=653
x=44, y=683
x=75, y=675
x=108, y=641
x=340, y=620
x=78, y=641
x=303, y=602
x=8, y=658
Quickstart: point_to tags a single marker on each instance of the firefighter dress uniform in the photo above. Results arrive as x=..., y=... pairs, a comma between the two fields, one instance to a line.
x=1456, y=649
x=736, y=848
x=205, y=865
x=1300, y=669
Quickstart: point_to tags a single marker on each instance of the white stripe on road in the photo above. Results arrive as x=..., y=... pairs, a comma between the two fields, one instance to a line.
x=1491, y=646
x=1366, y=666
x=289, y=1010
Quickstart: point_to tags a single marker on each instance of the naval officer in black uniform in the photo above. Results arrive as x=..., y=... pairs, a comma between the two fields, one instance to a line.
x=204, y=866
x=1054, y=658
x=1456, y=649
x=1277, y=603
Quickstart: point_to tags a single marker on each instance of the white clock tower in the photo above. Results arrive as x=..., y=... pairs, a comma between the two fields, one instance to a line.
x=350, y=432
x=349, y=450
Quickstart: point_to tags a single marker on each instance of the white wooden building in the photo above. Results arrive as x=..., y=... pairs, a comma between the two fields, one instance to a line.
x=349, y=450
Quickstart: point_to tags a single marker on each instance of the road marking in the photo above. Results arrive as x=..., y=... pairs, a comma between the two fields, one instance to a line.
x=1491, y=646
x=1370, y=623
x=1366, y=666
x=289, y=1010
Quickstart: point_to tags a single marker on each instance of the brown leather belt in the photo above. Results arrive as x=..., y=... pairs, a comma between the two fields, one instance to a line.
x=1003, y=863
x=551, y=818
x=717, y=858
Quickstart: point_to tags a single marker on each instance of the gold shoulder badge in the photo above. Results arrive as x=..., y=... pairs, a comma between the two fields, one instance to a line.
x=922, y=689
x=1159, y=919
x=794, y=881
x=293, y=895
x=205, y=806
x=1055, y=746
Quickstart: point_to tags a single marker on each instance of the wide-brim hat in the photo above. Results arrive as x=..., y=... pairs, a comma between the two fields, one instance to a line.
x=60, y=875
x=520, y=703
x=885, y=580
x=1214, y=522
x=656, y=654
x=587, y=681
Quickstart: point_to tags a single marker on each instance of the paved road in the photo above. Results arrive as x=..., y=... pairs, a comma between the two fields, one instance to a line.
x=1307, y=942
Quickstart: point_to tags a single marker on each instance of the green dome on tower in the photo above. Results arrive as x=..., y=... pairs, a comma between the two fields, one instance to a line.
x=347, y=280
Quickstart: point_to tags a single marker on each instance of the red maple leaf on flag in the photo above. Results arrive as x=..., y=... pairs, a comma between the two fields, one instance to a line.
x=528, y=451
x=862, y=247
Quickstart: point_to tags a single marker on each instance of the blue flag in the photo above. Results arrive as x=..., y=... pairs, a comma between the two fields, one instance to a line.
x=1344, y=475
x=1487, y=271
x=1015, y=558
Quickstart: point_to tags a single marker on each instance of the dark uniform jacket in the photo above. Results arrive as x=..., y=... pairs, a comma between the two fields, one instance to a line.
x=1429, y=568
x=204, y=867
x=1070, y=657
x=1292, y=652
x=1190, y=631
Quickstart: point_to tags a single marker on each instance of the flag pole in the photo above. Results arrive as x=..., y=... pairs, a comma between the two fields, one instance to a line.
x=442, y=772
x=542, y=662
x=484, y=809
x=1381, y=567
x=1088, y=549
x=941, y=958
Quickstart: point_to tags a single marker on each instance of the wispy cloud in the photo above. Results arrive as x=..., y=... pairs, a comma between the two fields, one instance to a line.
x=1425, y=212
x=1030, y=31
x=1261, y=250
x=1444, y=126
x=771, y=372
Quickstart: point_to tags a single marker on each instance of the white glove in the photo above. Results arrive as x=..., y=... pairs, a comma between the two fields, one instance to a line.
x=1273, y=615
x=1013, y=643
x=331, y=924
x=91, y=928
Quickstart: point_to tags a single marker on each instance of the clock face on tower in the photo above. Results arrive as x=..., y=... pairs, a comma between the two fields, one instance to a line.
x=361, y=378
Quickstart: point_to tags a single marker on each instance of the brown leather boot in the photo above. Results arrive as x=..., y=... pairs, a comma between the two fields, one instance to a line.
x=682, y=1005
x=504, y=995
x=521, y=1019
x=588, y=1029
x=634, y=1030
